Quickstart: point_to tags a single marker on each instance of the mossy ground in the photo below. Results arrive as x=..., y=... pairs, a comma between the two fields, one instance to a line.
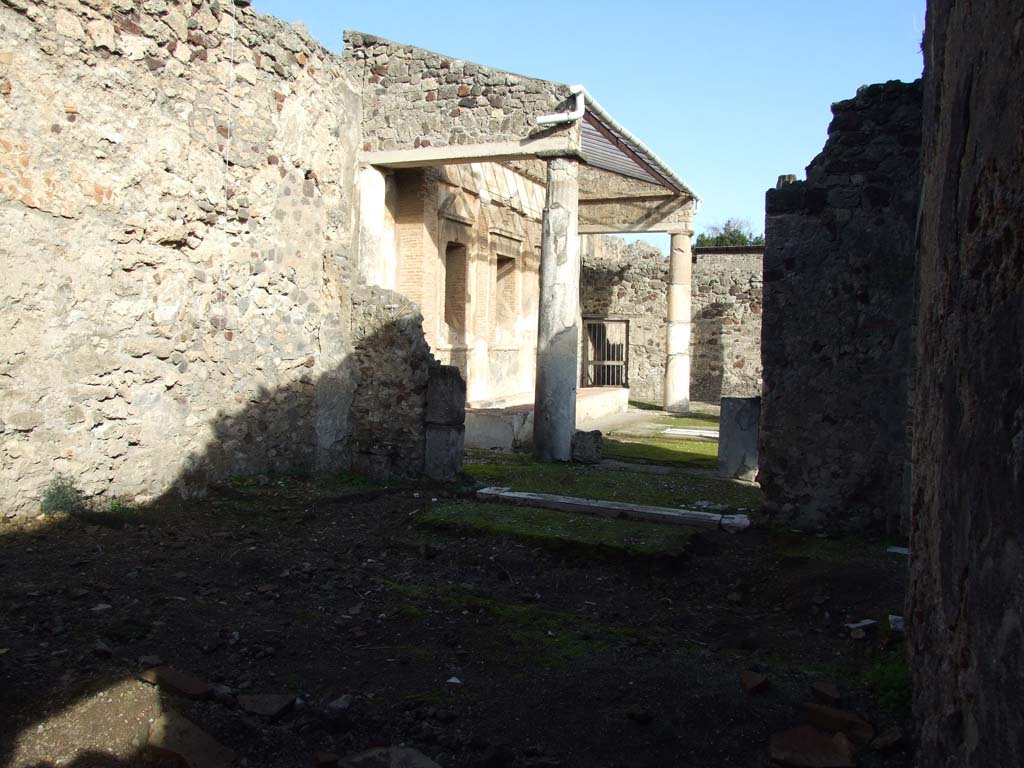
x=584, y=535
x=694, y=453
x=569, y=636
x=570, y=643
x=689, y=421
x=593, y=482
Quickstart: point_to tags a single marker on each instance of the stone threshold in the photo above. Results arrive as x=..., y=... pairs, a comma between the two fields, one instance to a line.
x=690, y=432
x=616, y=509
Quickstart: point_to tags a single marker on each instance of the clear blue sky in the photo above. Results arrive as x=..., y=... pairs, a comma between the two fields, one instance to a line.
x=730, y=93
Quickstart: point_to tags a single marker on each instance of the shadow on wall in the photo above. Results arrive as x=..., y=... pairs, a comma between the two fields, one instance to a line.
x=365, y=414
x=707, y=377
x=74, y=595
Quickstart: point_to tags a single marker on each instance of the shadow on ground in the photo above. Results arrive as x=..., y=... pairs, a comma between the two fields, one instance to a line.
x=474, y=645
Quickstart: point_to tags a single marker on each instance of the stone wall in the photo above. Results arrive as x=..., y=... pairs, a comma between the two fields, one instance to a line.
x=175, y=208
x=725, y=339
x=416, y=98
x=837, y=328
x=630, y=282
x=392, y=365
x=967, y=566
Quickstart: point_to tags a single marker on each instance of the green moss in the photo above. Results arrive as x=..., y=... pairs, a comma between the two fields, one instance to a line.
x=62, y=496
x=697, y=453
x=481, y=456
x=672, y=490
x=562, y=531
x=888, y=678
x=789, y=544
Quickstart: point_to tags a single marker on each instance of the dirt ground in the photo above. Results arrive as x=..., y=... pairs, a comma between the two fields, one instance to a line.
x=478, y=649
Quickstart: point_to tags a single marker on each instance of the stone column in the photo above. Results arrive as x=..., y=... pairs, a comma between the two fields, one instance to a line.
x=554, y=416
x=375, y=233
x=677, y=363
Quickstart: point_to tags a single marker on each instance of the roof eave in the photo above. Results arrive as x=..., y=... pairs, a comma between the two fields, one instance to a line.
x=594, y=107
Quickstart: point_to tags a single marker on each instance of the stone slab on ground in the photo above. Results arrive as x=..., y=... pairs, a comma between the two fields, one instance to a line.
x=177, y=682
x=270, y=705
x=807, y=747
x=711, y=434
x=826, y=693
x=173, y=734
x=840, y=721
x=738, y=436
x=753, y=682
x=616, y=509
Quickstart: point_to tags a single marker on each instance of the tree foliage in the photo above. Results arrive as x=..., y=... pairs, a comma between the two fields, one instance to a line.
x=732, y=232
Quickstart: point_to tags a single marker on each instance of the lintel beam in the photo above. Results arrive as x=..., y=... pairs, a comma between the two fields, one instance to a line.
x=558, y=145
x=632, y=228
x=673, y=214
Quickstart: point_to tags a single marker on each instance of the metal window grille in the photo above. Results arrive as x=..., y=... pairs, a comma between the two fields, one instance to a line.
x=605, y=353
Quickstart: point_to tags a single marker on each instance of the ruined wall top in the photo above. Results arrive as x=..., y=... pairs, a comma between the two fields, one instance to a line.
x=837, y=325
x=872, y=138
x=415, y=98
x=609, y=252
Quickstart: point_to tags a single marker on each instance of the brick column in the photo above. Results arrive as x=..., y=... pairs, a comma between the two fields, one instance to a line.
x=677, y=363
x=554, y=416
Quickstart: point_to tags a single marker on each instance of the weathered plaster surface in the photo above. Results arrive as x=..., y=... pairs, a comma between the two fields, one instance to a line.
x=176, y=273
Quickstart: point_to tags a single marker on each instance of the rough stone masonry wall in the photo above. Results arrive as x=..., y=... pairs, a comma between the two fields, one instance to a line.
x=414, y=98
x=392, y=364
x=174, y=220
x=629, y=281
x=967, y=564
x=725, y=337
x=837, y=327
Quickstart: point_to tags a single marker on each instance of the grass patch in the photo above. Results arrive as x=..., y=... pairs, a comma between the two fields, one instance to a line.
x=562, y=531
x=671, y=490
x=843, y=549
x=694, y=453
x=888, y=678
x=62, y=496
x=484, y=456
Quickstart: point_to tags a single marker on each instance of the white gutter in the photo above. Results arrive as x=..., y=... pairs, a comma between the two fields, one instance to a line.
x=585, y=101
x=567, y=117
